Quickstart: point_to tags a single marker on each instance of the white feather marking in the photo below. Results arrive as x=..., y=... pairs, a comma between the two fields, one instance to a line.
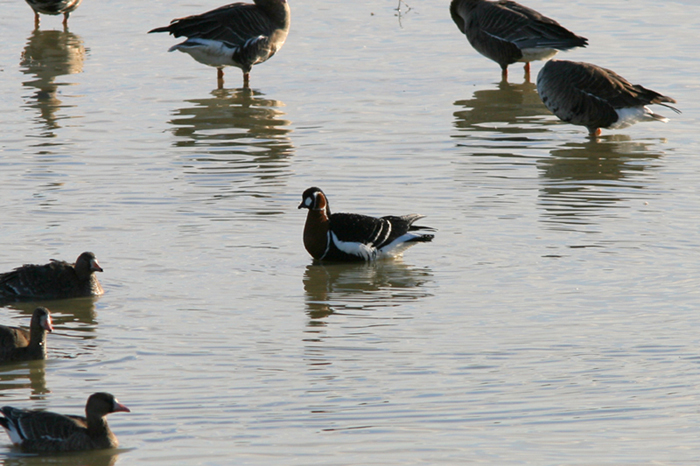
x=365, y=251
x=398, y=246
x=630, y=115
x=537, y=53
x=209, y=52
x=15, y=436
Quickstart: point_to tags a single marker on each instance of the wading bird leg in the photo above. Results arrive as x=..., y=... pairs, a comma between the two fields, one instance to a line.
x=220, y=78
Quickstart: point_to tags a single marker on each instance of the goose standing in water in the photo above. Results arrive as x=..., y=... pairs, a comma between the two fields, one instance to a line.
x=594, y=97
x=239, y=34
x=53, y=7
x=507, y=32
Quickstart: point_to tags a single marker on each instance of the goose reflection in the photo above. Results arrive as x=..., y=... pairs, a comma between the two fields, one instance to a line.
x=237, y=132
x=341, y=288
x=63, y=311
x=91, y=458
x=24, y=375
x=47, y=55
x=583, y=179
x=508, y=109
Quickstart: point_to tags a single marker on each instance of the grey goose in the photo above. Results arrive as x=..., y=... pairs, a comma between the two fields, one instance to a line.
x=36, y=431
x=53, y=7
x=239, y=34
x=508, y=32
x=17, y=344
x=55, y=280
x=595, y=97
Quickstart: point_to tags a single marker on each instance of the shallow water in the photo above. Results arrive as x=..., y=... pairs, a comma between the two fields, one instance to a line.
x=550, y=322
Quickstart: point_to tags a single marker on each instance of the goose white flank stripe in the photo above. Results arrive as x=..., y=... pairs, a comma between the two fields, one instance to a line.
x=595, y=97
x=355, y=237
x=239, y=34
x=508, y=32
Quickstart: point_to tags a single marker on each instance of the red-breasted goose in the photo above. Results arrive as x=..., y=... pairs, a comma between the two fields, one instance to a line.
x=594, y=97
x=55, y=280
x=355, y=237
x=508, y=32
x=239, y=34
x=53, y=7
x=17, y=344
x=37, y=431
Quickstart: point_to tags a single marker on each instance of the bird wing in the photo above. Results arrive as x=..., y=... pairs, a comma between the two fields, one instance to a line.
x=32, y=425
x=13, y=337
x=526, y=28
x=233, y=25
x=362, y=229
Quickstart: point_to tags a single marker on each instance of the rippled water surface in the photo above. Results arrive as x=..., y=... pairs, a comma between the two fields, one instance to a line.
x=553, y=320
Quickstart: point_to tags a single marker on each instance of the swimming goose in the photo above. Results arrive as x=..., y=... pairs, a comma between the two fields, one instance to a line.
x=53, y=7
x=17, y=344
x=355, y=237
x=36, y=431
x=507, y=32
x=239, y=34
x=594, y=97
x=55, y=280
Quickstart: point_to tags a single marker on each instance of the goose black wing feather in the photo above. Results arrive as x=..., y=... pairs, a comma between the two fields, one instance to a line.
x=233, y=25
x=357, y=228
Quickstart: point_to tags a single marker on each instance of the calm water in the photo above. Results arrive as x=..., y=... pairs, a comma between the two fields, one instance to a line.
x=554, y=319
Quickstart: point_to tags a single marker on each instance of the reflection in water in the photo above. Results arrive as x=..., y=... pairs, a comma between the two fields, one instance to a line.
x=64, y=312
x=88, y=458
x=238, y=137
x=47, y=55
x=341, y=333
x=509, y=109
x=582, y=179
x=24, y=375
x=338, y=288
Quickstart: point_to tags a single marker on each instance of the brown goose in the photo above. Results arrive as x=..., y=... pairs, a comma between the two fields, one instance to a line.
x=43, y=431
x=507, y=32
x=17, y=344
x=594, y=97
x=53, y=7
x=55, y=280
x=239, y=34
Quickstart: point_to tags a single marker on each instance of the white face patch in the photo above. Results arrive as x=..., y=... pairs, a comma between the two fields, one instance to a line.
x=308, y=201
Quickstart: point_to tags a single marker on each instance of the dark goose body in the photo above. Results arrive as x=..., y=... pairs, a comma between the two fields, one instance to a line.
x=37, y=431
x=55, y=280
x=595, y=97
x=18, y=344
x=239, y=34
x=355, y=237
x=508, y=32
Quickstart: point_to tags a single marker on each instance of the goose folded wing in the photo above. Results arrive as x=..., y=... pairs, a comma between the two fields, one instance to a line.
x=232, y=24
x=356, y=228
